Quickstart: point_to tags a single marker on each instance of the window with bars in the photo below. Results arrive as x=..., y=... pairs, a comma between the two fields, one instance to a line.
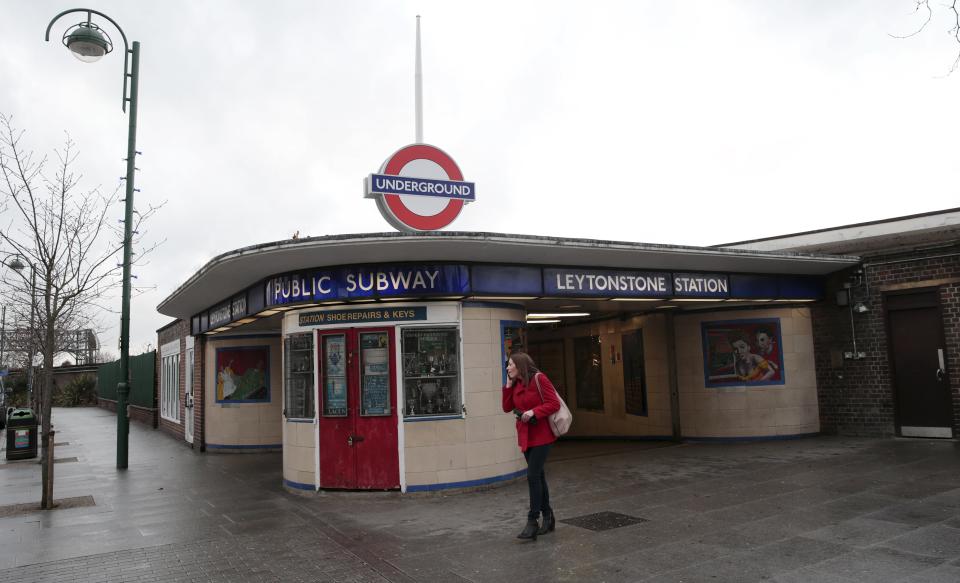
x=634, y=373
x=298, y=381
x=588, y=365
x=170, y=387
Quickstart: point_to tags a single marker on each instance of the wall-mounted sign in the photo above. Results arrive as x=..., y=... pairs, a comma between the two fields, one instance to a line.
x=362, y=315
x=606, y=283
x=367, y=282
x=701, y=285
x=414, y=281
x=419, y=188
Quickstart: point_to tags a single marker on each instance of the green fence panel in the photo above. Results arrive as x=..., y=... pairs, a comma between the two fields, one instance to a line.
x=108, y=375
x=142, y=371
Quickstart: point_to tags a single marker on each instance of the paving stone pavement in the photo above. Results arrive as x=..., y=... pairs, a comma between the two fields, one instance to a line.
x=822, y=509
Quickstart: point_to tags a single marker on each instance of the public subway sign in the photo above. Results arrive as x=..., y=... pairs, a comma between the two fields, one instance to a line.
x=368, y=282
x=607, y=283
x=419, y=188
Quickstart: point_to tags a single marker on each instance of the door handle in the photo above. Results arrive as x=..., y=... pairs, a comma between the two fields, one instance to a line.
x=940, y=375
x=354, y=439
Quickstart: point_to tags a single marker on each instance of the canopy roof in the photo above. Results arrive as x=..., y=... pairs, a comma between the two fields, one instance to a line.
x=235, y=270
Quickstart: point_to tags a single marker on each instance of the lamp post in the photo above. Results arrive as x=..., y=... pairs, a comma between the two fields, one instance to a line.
x=17, y=265
x=88, y=42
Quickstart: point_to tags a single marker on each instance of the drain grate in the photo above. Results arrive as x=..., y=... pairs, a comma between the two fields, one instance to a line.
x=600, y=521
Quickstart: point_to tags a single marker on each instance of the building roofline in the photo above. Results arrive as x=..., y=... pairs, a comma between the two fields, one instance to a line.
x=839, y=227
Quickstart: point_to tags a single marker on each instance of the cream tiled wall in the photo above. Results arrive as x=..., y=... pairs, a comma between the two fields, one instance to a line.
x=484, y=443
x=787, y=409
x=300, y=453
x=614, y=420
x=239, y=424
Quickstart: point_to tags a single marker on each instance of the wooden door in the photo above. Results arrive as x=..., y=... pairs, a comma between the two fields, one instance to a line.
x=922, y=390
x=358, y=414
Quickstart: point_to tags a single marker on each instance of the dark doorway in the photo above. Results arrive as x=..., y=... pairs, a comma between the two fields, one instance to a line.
x=921, y=387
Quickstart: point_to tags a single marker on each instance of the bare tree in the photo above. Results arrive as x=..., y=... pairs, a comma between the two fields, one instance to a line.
x=66, y=235
x=950, y=6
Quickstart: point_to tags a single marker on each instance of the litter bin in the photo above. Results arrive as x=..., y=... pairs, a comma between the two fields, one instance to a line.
x=21, y=434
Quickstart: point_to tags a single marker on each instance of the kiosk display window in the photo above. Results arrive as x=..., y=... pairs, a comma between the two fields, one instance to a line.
x=334, y=366
x=431, y=372
x=298, y=380
x=375, y=379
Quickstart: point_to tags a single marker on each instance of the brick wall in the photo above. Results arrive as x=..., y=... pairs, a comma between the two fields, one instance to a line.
x=857, y=395
x=179, y=330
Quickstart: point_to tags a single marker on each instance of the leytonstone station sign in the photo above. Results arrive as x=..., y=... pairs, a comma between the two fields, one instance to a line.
x=419, y=188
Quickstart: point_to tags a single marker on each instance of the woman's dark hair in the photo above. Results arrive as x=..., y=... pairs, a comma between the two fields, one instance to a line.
x=525, y=367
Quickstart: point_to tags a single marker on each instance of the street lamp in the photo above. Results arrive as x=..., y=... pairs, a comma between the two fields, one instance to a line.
x=88, y=42
x=17, y=265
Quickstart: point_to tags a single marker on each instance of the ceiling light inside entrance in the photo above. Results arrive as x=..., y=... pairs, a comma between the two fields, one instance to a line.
x=540, y=315
x=544, y=321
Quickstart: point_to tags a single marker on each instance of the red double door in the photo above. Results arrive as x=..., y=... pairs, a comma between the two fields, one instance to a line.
x=358, y=409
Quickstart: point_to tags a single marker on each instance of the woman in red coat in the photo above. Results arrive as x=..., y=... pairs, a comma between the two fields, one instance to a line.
x=532, y=405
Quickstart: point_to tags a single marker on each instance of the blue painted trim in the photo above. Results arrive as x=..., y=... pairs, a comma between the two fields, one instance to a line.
x=749, y=438
x=479, y=304
x=219, y=338
x=299, y=486
x=467, y=483
x=225, y=446
x=299, y=420
x=437, y=418
x=616, y=438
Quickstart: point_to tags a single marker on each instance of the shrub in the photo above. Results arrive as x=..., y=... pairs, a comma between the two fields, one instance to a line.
x=79, y=392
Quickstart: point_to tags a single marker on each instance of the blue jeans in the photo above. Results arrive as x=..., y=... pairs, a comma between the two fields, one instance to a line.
x=537, y=480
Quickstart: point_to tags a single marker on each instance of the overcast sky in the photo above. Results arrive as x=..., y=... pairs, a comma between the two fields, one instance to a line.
x=694, y=122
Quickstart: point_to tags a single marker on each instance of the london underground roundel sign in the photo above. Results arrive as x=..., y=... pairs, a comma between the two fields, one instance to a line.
x=419, y=188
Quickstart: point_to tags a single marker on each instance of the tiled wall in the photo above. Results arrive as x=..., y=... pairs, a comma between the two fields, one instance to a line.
x=244, y=424
x=774, y=410
x=300, y=453
x=483, y=445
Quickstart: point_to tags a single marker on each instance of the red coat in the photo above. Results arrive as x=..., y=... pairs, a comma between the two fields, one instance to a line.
x=526, y=397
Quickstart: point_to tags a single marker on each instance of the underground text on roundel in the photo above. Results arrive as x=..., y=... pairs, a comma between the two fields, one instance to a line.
x=404, y=185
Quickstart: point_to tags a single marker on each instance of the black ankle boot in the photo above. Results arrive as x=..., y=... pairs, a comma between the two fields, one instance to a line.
x=549, y=523
x=530, y=530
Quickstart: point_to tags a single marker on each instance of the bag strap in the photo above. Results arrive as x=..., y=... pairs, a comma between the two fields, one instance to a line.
x=536, y=379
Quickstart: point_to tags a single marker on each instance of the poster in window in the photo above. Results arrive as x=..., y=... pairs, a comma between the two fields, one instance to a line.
x=742, y=353
x=513, y=339
x=375, y=384
x=243, y=374
x=334, y=376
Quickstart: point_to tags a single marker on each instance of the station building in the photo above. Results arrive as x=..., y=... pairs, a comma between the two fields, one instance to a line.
x=888, y=335
x=376, y=361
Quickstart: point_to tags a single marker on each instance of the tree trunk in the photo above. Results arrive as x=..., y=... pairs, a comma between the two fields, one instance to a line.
x=46, y=397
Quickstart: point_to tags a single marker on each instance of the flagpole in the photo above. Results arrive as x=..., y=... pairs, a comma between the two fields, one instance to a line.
x=419, y=88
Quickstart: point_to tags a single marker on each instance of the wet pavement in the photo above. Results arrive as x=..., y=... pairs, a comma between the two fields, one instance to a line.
x=817, y=509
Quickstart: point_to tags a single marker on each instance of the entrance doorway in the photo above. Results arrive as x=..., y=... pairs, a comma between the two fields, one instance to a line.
x=921, y=387
x=358, y=409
